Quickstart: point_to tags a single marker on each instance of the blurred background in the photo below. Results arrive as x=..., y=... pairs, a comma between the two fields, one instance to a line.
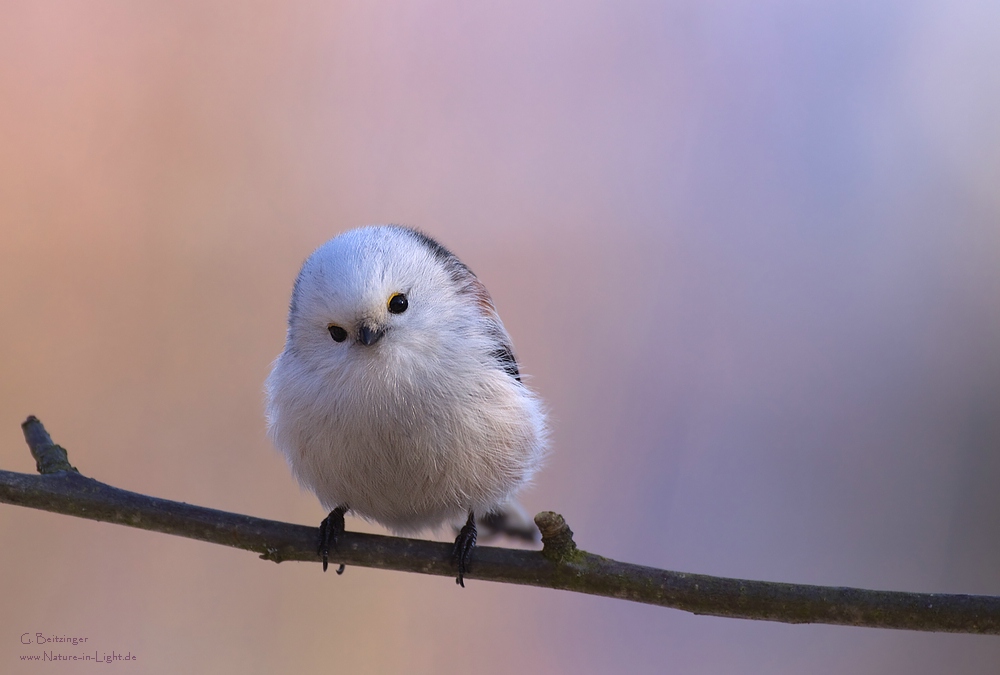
x=749, y=253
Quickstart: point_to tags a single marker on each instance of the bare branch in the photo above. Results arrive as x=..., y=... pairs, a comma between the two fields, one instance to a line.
x=559, y=565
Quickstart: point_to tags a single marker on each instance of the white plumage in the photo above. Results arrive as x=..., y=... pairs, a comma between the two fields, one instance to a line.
x=417, y=416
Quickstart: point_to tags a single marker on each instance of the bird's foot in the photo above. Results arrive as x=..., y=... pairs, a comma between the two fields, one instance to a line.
x=329, y=533
x=462, y=553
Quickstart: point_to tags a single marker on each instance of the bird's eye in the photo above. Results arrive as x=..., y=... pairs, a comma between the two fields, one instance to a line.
x=398, y=303
x=337, y=333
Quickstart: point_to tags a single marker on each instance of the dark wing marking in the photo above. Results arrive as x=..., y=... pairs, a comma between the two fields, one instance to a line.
x=467, y=282
x=505, y=357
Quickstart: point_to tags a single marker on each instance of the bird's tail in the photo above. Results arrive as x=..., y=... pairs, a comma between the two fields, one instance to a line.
x=511, y=520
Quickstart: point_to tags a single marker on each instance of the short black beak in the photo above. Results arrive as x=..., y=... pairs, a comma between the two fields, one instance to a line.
x=369, y=335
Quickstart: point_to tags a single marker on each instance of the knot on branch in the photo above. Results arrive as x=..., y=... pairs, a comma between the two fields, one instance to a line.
x=557, y=538
x=271, y=553
x=49, y=457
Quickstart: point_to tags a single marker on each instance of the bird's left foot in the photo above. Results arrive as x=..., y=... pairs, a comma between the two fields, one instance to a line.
x=462, y=553
x=329, y=532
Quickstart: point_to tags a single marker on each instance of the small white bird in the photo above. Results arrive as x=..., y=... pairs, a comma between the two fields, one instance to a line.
x=398, y=397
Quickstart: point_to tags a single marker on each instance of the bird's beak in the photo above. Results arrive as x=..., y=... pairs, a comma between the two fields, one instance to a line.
x=369, y=336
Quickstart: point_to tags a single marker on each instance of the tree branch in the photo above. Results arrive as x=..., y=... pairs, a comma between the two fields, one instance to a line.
x=560, y=564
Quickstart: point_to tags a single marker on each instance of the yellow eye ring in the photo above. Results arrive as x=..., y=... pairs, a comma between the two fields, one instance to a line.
x=398, y=303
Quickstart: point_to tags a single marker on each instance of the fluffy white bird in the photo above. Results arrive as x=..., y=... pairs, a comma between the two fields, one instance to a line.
x=397, y=396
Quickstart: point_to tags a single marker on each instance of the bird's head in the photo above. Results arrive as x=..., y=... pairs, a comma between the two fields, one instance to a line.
x=374, y=295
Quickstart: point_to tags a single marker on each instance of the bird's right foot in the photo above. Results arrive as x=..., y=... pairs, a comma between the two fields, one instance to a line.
x=329, y=533
x=462, y=552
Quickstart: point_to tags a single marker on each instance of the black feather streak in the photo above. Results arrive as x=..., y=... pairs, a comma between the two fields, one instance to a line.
x=462, y=276
x=505, y=357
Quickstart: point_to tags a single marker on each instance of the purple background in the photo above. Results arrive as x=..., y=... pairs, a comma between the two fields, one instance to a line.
x=749, y=253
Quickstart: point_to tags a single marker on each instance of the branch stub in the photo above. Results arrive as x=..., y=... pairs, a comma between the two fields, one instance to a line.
x=49, y=457
x=557, y=538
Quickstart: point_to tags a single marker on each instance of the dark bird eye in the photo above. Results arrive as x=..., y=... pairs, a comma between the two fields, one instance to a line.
x=398, y=303
x=337, y=333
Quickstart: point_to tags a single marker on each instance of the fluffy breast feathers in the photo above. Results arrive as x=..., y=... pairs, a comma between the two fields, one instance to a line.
x=426, y=423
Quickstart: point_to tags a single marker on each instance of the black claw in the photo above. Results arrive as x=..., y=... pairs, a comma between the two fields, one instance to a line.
x=462, y=553
x=329, y=533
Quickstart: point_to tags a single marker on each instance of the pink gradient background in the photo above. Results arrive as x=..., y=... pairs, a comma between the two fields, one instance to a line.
x=749, y=253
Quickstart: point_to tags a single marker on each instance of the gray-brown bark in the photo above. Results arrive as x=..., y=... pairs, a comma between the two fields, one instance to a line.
x=560, y=564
